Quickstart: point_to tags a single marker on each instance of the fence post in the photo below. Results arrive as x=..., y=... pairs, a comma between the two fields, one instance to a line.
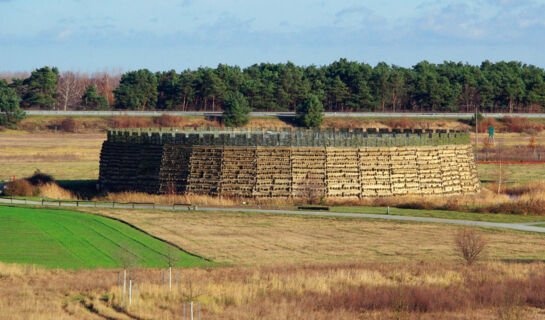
x=199, y=310
x=170, y=278
x=130, y=292
x=184, y=311
x=191, y=310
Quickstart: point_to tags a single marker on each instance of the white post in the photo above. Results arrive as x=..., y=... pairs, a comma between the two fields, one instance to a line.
x=130, y=292
x=124, y=284
x=191, y=310
x=170, y=278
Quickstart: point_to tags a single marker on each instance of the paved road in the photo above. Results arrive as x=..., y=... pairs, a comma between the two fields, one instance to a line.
x=280, y=114
x=513, y=226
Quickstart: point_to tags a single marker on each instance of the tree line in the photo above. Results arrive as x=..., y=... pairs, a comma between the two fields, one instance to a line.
x=341, y=86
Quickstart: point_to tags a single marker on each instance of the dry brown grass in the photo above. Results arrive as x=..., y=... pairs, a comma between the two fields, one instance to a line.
x=50, y=147
x=341, y=291
x=529, y=198
x=457, y=202
x=65, y=156
x=170, y=199
x=53, y=191
x=263, y=239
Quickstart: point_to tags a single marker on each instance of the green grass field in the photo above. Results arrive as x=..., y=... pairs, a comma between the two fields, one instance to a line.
x=67, y=239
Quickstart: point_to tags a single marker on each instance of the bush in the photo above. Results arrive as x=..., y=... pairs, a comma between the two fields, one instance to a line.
x=469, y=245
x=530, y=206
x=487, y=123
x=68, y=125
x=518, y=124
x=166, y=120
x=400, y=123
x=39, y=178
x=21, y=188
x=130, y=122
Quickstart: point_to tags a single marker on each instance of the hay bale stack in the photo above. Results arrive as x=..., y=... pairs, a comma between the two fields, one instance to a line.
x=282, y=164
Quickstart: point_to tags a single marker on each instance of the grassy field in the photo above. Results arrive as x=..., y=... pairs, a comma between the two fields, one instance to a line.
x=512, y=172
x=66, y=239
x=263, y=239
x=65, y=156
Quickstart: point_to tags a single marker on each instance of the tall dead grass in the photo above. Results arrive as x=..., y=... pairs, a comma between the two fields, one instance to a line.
x=54, y=191
x=524, y=199
x=495, y=290
x=170, y=199
x=455, y=202
x=343, y=291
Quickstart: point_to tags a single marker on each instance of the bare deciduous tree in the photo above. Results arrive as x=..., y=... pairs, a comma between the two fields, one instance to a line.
x=470, y=244
x=70, y=87
x=311, y=189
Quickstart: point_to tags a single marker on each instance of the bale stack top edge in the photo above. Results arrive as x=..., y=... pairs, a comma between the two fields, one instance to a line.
x=288, y=137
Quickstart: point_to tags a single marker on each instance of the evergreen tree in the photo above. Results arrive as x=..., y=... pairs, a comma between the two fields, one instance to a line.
x=236, y=111
x=310, y=112
x=10, y=113
x=41, y=88
x=137, y=89
x=91, y=99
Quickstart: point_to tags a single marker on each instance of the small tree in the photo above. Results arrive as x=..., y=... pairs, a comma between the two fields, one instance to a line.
x=91, y=99
x=171, y=258
x=236, y=111
x=10, y=113
x=310, y=113
x=470, y=244
x=127, y=260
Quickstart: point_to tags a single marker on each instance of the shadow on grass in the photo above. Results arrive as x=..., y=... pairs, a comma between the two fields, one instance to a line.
x=522, y=261
x=85, y=189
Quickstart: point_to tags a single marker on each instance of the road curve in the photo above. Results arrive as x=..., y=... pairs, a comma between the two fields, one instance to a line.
x=278, y=114
x=529, y=227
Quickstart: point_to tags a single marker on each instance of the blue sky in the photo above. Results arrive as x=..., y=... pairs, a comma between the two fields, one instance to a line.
x=91, y=35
